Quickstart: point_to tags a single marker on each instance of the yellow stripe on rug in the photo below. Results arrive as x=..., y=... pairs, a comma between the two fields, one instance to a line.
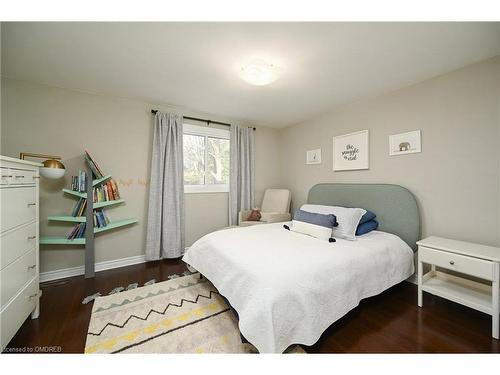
x=151, y=329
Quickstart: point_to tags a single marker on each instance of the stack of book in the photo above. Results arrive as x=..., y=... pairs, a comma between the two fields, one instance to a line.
x=100, y=219
x=79, y=183
x=79, y=208
x=78, y=231
x=96, y=170
x=106, y=192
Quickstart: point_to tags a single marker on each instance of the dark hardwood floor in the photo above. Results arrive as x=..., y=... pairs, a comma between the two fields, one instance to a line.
x=388, y=323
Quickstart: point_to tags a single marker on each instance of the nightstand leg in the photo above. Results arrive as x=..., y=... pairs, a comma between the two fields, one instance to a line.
x=419, y=281
x=495, y=291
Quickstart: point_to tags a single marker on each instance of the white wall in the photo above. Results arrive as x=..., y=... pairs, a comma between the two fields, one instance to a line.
x=456, y=178
x=118, y=134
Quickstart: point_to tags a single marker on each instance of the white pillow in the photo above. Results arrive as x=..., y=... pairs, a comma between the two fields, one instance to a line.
x=347, y=218
x=312, y=230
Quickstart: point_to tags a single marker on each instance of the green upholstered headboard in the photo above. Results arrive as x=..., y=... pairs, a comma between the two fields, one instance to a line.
x=396, y=208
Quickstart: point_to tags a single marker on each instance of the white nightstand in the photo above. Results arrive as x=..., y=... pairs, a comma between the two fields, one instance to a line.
x=466, y=258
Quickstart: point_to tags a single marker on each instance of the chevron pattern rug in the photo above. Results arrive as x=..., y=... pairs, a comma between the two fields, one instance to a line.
x=183, y=315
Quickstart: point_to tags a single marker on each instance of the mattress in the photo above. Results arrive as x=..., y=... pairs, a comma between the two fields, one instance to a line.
x=288, y=288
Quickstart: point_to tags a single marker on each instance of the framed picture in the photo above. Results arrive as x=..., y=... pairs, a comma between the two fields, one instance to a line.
x=313, y=156
x=351, y=151
x=405, y=143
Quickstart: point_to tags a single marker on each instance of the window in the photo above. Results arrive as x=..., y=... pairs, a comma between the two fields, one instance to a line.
x=206, y=159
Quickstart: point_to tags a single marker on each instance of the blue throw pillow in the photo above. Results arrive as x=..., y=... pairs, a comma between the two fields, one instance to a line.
x=367, y=217
x=315, y=225
x=366, y=227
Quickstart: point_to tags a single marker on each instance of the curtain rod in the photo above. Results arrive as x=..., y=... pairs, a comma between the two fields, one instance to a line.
x=153, y=111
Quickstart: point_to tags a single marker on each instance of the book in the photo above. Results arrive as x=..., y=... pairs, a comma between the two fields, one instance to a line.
x=96, y=170
x=73, y=232
x=114, y=187
x=79, y=183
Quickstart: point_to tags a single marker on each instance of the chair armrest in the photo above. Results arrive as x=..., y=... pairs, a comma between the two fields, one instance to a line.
x=243, y=215
x=278, y=217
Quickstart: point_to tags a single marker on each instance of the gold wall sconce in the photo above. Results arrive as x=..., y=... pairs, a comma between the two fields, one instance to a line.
x=52, y=167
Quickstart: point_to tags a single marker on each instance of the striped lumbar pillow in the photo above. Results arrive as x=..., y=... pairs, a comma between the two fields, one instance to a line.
x=313, y=224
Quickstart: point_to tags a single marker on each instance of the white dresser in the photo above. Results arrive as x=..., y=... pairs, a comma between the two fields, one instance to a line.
x=464, y=258
x=19, y=259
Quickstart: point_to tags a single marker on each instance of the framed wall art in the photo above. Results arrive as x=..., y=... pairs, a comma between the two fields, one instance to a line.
x=351, y=151
x=313, y=156
x=405, y=143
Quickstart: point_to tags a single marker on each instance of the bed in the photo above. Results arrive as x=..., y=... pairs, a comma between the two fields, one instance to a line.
x=288, y=288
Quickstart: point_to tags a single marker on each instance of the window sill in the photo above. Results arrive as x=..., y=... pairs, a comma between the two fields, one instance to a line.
x=201, y=189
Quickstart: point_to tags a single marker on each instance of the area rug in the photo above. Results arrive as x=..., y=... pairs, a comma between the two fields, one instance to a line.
x=182, y=315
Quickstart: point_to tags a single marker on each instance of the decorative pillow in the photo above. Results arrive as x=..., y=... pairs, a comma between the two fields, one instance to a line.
x=347, y=218
x=313, y=224
x=366, y=227
x=254, y=215
x=367, y=217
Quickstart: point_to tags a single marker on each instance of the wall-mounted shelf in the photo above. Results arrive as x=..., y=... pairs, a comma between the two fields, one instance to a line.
x=75, y=193
x=82, y=219
x=101, y=180
x=108, y=203
x=69, y=219
x=61, y=241
x=115, y=224
x=90, y=231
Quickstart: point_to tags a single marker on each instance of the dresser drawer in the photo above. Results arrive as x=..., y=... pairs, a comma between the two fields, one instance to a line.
x=13, y=315
x=22, y=177
x=11, y=176
x=16, y=275
x=18, y=206
x=6, y=176
x=16, y=243
x=459, y=263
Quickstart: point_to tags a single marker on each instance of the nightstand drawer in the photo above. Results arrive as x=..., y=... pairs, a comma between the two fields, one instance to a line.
x=468, y=265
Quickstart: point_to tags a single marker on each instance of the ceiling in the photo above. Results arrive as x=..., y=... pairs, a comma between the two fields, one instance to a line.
x=196, y=65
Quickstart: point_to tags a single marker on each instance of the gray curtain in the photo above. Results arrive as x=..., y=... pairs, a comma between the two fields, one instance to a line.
x=165, y=232
x=242, y=181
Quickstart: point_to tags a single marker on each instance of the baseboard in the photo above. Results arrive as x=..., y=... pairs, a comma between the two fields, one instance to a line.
x=101, y=266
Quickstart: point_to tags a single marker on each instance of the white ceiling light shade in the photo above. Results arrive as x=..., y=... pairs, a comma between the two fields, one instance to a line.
x=259, y=73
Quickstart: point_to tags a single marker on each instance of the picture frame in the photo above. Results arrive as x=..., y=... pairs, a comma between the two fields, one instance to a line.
x=351, y=151
x=405, y=143
x=313, y=156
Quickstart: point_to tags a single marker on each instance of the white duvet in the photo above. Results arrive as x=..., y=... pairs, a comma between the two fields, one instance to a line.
x=288, y=287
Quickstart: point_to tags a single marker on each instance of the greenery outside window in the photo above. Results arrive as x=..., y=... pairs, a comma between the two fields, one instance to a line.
x=206, y=159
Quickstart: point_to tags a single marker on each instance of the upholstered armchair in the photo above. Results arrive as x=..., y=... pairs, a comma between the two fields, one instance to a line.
x=275, y=208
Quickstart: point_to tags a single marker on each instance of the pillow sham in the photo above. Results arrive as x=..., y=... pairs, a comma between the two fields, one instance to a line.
x=366, y=227
x=313, y=224
x=347, y=218
x=367, y=217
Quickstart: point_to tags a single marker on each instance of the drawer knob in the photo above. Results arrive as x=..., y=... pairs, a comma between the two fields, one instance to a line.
x=18, y=176
x=31, y=204
x=31, y=237
x=452, y=262
x=32, y=267
x=7, y=176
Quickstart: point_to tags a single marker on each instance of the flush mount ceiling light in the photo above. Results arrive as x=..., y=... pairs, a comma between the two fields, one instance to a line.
x=259, y=73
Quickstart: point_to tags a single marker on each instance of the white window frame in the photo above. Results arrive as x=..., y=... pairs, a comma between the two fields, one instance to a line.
x=205, y=131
